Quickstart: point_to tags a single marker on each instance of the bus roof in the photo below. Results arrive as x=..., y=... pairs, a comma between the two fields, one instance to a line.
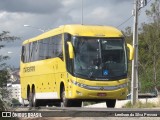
x=80, y=30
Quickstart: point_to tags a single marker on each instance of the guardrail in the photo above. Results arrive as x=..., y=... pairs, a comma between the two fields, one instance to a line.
x=146, y=95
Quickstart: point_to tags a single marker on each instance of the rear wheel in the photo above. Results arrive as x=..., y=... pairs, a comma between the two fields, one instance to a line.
x=34, y=100
x=57, y=104
x=111, y=103
x=30, y=99
x=22, y=102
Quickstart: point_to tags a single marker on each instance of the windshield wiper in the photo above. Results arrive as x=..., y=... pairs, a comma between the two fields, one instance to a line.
x=90, y=75
x=91, y=71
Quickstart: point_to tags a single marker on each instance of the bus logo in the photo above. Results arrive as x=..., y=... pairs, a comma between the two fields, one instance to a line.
x=101, y=88
x=29, y=69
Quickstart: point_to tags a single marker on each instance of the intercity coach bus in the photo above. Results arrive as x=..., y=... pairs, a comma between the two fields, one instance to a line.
x=75, y=63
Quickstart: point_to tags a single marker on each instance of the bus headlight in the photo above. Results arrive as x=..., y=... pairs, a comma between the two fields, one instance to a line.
x=99, y=87
x=79, y=84
x=122, y=85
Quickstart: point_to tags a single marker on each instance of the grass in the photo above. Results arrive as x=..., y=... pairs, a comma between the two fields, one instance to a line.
x=140, y=104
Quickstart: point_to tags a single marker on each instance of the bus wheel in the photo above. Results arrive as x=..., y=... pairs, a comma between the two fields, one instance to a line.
x=30, y=99
x=76, y=103
x=111, y=103
x=34, y=100
x=65, y=102
x=22, y=102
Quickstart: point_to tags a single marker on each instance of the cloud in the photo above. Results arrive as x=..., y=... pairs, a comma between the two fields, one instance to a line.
x=30, y=6
x=101, y=13
x=48, y=14
x=68, y=2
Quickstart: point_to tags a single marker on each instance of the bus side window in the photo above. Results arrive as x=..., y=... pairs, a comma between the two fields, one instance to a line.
x=27, y=51
x=23, y=54
x=33, y=51
x=36, y=50
x=41, y=51
x=46, y=48
x=58, y=46
x=51, y=48
x=55, y=46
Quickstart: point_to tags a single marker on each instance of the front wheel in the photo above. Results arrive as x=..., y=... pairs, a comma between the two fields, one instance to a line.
x=65, y=102
x=110, y=103
x=69, y=103
x=76, y=103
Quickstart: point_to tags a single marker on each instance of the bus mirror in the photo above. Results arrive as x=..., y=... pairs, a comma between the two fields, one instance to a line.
x=131, y=52
x=70, y=49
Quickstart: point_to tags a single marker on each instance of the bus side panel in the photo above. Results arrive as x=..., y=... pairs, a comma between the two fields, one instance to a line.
x=60, y=75
x=23, y=88
x=45, y=76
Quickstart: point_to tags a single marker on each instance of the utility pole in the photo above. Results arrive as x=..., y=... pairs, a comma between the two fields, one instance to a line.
x=138, y=4
x=134, y=81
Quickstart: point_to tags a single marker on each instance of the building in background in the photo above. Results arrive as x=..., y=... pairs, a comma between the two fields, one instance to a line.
x=13, y=85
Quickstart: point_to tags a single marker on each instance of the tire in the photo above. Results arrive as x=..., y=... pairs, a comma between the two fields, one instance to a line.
x=65, y=102
x=76, y=103
x=22, y=102
x=57, y=104
x=110, y=103
x=69, y=103
x=30, y=100
x=35, y=102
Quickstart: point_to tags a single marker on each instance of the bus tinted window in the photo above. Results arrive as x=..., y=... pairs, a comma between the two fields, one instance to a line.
x=51, y=48
x=23, y=53
x=58, y=46
x=33, y=51
x=43, y=49
x=27, y=53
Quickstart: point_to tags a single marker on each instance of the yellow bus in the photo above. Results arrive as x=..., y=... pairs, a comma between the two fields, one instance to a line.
x=75, y=63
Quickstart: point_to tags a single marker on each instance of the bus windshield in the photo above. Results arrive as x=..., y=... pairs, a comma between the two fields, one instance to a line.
x=100, y=58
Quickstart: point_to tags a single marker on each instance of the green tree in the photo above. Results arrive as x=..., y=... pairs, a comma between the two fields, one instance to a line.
x=4, y=75
x=15, y=101
x=149, y=49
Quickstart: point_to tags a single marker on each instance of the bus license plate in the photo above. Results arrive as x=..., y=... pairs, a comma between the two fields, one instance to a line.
x=101, y=94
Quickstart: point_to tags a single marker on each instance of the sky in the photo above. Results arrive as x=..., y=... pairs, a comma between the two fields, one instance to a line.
x=49, y=14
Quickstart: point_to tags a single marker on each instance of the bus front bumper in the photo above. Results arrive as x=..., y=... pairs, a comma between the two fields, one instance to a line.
x=100, y=93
